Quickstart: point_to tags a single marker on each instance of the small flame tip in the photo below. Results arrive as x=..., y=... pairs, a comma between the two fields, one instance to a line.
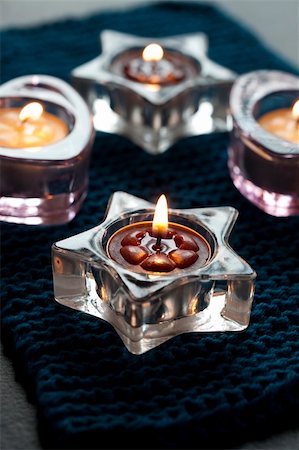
x=153, y=52
x=32, y=110
x=295, y=110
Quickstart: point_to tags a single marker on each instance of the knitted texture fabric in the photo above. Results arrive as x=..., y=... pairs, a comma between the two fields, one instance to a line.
x=197, y=390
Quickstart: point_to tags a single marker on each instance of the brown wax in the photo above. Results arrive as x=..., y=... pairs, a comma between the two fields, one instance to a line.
x=183, y=258
x=158, y=262
x=173, y=68
x=282, y=123
x=134, y=247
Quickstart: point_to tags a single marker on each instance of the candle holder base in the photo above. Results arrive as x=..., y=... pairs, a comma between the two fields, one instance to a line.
x=272, y=203
x=151, y=115
x=51, y=210
x=148, y=309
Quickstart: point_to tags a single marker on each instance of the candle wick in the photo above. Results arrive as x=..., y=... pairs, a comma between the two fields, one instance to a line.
x=158, y=243
x=22, y=122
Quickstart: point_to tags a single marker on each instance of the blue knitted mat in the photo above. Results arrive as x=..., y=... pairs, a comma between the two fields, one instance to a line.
x=196, y=390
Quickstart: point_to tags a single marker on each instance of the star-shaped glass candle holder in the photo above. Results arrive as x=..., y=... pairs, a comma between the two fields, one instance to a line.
x=115, y=272
x=155, y=94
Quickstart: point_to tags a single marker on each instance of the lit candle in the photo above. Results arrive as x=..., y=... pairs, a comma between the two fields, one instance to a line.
x=46, y=134
x=30, y=126
x=264, y=147
x=155, y=66
x=283, y=122
x=158, y=246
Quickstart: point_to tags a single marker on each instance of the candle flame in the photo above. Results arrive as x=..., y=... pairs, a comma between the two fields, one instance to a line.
x=31, y=111
x=160, y=221
x=153, y=52
x=295, y=110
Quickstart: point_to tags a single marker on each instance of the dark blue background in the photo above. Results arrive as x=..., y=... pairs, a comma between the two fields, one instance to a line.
x=196, y=390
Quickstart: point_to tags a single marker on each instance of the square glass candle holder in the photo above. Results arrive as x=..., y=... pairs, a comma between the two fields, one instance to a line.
x=148, y=308
x=263, y=164
x=43, y=184
x=189, y=95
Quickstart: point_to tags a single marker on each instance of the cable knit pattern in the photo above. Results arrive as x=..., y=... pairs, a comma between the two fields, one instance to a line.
x=197, y=390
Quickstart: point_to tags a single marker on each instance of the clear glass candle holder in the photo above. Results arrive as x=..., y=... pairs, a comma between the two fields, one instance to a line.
x=46, y=184
x=156, y=115
x=263, y=166
x=147, y=309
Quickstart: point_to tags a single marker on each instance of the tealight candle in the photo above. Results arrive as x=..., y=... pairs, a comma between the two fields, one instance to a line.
x=46, y=134
x=155, y=91
x=156, y=66
x=30, y=126
x=283, y=122
x=264, y=146
x=152, y=280
x=158, y=246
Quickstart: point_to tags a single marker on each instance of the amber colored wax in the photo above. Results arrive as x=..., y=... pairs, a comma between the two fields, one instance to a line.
x=134, y=247
x=45, y=130
x=282, y=123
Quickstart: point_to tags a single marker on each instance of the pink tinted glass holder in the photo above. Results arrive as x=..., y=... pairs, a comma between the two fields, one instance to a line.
x=263, y=166
x=46, y=185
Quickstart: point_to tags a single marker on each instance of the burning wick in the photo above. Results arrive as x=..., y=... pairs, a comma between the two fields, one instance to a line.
x=160, y=221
